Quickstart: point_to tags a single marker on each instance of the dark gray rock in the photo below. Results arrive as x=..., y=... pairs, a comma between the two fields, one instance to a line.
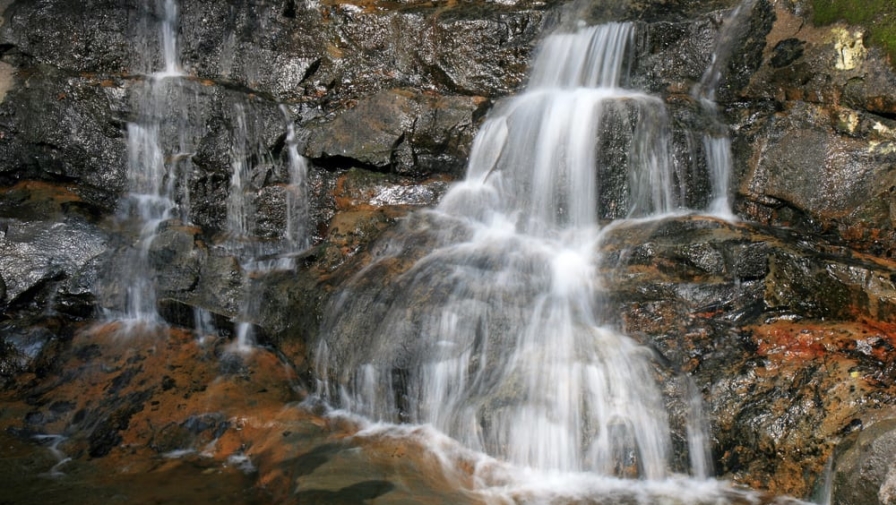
x=206, y=130
x=191, y=434
x=105, y=30
x=672, y=56
x=176, y=257
x=821, y=169
x=402, y=130
x=865, y=467
x=33, y=253
x=260, y=46
x=363, y=189
x=61, y=127
x=21, y=348
x=470, y=49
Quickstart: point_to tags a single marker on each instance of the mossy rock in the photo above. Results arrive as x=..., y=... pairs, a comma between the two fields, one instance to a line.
x=879, y=16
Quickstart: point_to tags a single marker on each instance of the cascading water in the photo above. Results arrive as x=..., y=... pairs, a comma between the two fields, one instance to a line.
x=717, y=144
x=240, y=209
x=297, y=209
x=493, y=337
x=257, y=256
x=161, y=143
x=154, y=169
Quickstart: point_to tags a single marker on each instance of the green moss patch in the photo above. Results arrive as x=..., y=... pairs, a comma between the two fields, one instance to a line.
x=878, y=16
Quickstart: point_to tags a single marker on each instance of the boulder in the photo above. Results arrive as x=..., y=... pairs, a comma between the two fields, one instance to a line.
x=55, y=126
x=865, y=467
x=400, y=130
x=35, y=254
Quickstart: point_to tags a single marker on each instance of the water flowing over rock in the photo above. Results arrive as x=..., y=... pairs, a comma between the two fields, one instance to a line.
x=288, y=149
x=491, y=336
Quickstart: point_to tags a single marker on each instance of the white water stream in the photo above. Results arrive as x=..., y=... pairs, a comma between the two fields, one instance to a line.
x=562, y=391
x=154, y=169
x=493, y=337
x=161, y=143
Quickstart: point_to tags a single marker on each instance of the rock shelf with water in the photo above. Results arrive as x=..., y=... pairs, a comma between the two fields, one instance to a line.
x=775, y=320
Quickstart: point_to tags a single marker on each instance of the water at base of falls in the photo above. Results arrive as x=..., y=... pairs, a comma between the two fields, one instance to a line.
x=493, y=337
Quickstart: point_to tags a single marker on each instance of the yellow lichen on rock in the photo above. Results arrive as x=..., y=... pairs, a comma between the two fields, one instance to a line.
x=849, y=47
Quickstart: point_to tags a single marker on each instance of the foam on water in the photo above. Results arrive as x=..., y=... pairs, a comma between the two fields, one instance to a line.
x=497, y=482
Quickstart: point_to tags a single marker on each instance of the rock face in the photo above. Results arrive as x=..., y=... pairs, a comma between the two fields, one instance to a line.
x=866, y=467
x=792, y=346
x=788, y=334
x=814, y=145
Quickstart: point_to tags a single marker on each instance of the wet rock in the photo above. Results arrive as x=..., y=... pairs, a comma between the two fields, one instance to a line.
x=402, y=130
x=35, y=253
x=650, y=11
x=824, y=169
x=783, y=339
x=211, y=130
x=61, y=127
x=674, y=51
x=745, y=53
x=35, y=200
x=822, y=104
x=865, y=467
x=788, y=336
x=824, y=64
x=177, y=258
x=786, y=52
x=33, y=29
x=341, y=50
x=472, y=49
x=672, y=56
x=192, y=434
x=21, y=348
x=103, y=439
x=746, y=311
x=255, y=46
x=360, y=189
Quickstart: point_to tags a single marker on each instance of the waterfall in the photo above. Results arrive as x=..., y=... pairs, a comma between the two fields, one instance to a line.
x=169, y=40
x=161, y=143
x=255, y=255
x=155, y=168
x=493, y=337
x=297, y=201
x=538, y=151
x=240, y=209
x=717, y=144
